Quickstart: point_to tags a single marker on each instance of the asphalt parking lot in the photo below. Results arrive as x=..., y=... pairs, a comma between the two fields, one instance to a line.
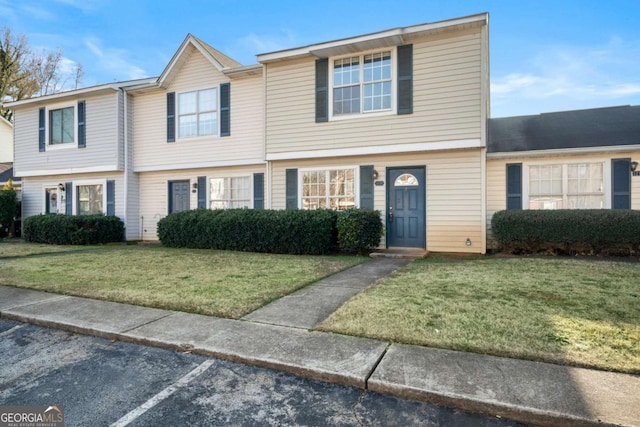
x=101, y=383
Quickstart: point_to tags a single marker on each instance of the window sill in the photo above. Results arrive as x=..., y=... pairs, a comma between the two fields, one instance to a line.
x=198, y=138
x=362, y=115
x=56, y=147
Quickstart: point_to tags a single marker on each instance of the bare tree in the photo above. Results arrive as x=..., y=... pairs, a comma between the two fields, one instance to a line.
x=24, y=74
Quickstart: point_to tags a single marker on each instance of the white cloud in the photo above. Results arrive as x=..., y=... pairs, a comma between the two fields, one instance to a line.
x=83, y=5
x=571, y=77
x=37, y=12
x=268, y=43
x=113, y=61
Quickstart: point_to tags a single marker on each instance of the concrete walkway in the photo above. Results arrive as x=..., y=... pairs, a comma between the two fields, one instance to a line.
x=530, y=392
x=309, y=306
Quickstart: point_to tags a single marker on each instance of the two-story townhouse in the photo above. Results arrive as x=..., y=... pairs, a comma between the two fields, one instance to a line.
x=6, y=155
x=393, y=121
x=198, y=133
x=581, y=159
x=72, y=151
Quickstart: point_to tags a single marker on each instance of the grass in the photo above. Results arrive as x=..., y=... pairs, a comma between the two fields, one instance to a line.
x=17, y=247
x=568, y=311
x=218, y=283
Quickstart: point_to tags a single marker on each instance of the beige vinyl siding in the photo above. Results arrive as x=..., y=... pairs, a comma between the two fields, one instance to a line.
x=154, y=187
x=247, y=114
x=33, y=198
x=102, y=137
x=497, y=181
x=446, y=101
x=6, y=142
x=454, y=192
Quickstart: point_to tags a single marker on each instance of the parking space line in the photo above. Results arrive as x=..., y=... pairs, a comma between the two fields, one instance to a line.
x=131, y=416
x=8, y=331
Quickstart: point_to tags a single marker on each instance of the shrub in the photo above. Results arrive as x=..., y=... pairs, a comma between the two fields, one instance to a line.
x=358, y=230
x=8, y=209
x=290, y=231
x=608, y=232
x=72, y=230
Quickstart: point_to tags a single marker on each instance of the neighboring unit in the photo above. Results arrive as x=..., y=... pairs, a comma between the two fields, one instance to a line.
x=393, y=121
x=580, y=159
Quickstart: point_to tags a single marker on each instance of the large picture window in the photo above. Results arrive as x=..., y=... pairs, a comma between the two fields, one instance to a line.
x=61, y=126
x=231, y=192
x=362, y=84
x=198, y=113
x=567, y=186
x=90, y=199
x=328, y=189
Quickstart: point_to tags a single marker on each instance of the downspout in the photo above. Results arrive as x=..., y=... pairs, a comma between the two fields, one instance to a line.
x=268, y=204
x=126, y=160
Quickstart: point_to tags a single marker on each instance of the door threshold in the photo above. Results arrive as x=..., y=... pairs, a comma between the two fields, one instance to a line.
x=400, y=252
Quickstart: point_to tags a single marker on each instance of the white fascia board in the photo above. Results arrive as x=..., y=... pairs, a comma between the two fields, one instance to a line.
x=249, y=70
x=564, y=151
x=393, y=34
x=203, y=165
x=189, y=40
x=62, y=95
x=67, y=171
x=382, y=149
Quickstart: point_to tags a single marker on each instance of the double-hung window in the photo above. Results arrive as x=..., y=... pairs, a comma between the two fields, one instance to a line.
x=62, y=126
x=362, y=84
x=329, y=189
x=198, y=113
x=89, y=199
x=230, y=192
x=567, y=186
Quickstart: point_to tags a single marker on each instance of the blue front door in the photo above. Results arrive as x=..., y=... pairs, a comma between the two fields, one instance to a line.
x=406, y=213
x=178, y=196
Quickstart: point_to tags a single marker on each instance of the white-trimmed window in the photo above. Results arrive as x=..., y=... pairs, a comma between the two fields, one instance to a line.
x=198, y=113
x=362, y=83
x=230, y=192
x=89, y=197
x=328, y=188
x=54, y=202
x=567, y=186
x=62, y=126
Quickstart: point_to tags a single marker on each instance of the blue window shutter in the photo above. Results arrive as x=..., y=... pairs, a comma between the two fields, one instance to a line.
x=621, y=183
x=82, y=135
x=41, y=135
x=258, y=191
x=366, y=187
x=292, y=189
x=171, y=117
x=405, y=79
x=202, y=192
x=68, y=204
x=225, y=109
x=322, y=90
x=514, y=186
x=111, y=198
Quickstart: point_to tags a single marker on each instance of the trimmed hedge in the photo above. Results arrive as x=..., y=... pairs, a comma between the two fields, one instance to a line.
x=272, y=231
x=358, y=230
x=72, y=230
x=565, y=231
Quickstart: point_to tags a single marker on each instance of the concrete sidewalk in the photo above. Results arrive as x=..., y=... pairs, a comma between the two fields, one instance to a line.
x=529, y=392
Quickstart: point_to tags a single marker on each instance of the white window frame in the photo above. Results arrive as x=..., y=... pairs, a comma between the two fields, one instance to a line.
x=229, y=176
x=362, y=113
x=80, y=183
x=47, y=126
x=60, y=195
x=606, y=171
x=197, y=113
x=356, y=183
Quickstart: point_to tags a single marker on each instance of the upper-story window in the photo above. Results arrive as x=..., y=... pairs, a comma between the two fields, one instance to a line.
x=198, y=113
x=62, y=126
x=362, y=84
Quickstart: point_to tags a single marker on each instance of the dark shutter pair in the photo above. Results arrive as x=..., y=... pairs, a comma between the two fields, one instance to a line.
x=620, y=184
x=82, y=133
x=366, y=188
x=225, y=112
x=405, y=84
x=111, y=198
x=258, y=191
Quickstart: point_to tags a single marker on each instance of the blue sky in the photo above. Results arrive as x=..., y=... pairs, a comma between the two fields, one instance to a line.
x=545, y=55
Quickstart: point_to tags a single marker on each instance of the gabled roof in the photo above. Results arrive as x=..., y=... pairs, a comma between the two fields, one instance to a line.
x=5, y=121
x=219, y=60
x=6, y=173
x=598, y=127
x=381, y=39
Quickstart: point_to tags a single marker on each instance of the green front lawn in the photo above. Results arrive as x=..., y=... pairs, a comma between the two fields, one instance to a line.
x=218, y=283
x=568, y=311
x=18, y=247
